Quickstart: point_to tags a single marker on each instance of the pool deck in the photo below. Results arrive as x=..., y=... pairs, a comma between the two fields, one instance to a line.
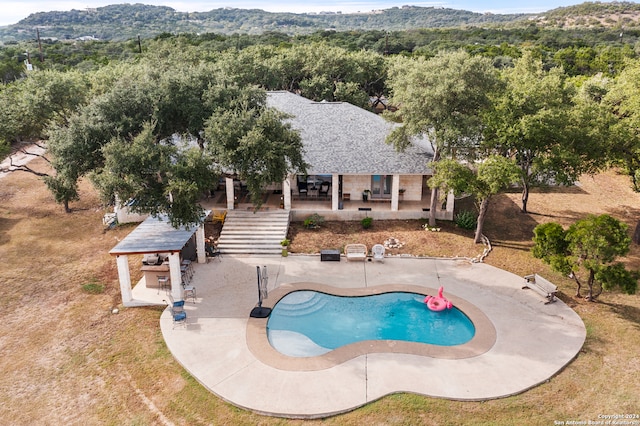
x=533, y=340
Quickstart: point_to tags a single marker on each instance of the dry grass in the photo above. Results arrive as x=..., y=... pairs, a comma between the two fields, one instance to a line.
x=67, y=360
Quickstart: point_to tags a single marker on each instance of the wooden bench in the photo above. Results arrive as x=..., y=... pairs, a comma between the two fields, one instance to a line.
x=545, y=288
x=355, y=251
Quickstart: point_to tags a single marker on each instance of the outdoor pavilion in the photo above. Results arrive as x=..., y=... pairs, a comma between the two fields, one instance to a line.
x=153, y=236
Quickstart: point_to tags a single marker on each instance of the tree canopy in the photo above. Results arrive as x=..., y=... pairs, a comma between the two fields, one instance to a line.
x=538, y=122
x=623, y=101
x=441, y=98
x=128, y=140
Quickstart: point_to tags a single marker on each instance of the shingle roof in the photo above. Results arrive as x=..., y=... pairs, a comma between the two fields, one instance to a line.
x=341, y=138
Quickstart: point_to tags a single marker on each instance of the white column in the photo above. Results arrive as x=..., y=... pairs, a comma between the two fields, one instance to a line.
x=451, y=199
x=230, y=193
x=286, y=193
x=200, y=251
x=176, y=276
x=335, y=191
x=124, y=276
x=395, y=192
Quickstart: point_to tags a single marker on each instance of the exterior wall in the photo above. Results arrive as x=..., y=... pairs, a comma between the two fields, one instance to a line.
x=384, y=213
x=412, y=184
x=298, y=215
x=355, y=184
x=124, y=215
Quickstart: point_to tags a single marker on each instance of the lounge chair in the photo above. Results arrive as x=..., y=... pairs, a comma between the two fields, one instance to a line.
x=378, y=252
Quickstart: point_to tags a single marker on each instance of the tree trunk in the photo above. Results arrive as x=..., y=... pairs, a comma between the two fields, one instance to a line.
x=590, y=296
x=575, y=278
x=67, y=209
x=525, y=195
x=432, y=207
x=636, y=234
x=481, y=215
x=434, y=193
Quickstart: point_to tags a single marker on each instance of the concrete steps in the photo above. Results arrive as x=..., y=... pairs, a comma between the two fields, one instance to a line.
x=246, y=232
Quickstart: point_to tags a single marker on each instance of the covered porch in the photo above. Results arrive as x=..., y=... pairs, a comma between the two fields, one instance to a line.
x=339, y=197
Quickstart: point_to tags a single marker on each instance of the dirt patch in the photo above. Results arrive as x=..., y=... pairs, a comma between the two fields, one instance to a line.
x=450, y=241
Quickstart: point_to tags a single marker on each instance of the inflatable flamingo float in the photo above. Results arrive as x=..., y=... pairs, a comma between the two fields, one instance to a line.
x=439, y=303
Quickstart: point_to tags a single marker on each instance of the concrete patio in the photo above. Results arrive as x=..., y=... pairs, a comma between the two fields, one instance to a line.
x=533, y=341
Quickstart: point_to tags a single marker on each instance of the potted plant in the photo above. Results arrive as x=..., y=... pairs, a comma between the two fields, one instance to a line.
x=365, y=195
x=285, y=245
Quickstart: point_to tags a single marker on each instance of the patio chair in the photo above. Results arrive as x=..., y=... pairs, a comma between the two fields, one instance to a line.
x=378, y=252
x=178, y=314
x=324, y=190
x=303, y=188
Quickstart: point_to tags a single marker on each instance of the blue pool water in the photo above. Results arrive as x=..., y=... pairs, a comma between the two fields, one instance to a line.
x=310, y=323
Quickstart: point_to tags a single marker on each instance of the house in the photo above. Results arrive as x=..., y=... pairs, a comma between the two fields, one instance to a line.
x=351, y=167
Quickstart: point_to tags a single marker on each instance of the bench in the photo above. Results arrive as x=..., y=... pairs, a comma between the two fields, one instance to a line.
x=542, y=286
x=355, y=251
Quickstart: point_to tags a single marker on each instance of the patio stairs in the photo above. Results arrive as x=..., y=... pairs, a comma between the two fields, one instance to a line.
x=246, y=232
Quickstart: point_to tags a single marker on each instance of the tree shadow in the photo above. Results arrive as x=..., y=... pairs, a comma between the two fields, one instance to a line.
x=506, y=225
x=5, y=226
x=625, y=312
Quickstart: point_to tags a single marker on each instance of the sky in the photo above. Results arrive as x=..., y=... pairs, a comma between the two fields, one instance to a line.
x=12, y=11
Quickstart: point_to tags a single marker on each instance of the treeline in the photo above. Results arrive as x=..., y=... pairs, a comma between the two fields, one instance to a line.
x=580, y=51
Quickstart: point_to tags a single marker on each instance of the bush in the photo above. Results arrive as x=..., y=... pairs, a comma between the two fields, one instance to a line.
x=367, y=222
x=314, y=221
x=466, y=219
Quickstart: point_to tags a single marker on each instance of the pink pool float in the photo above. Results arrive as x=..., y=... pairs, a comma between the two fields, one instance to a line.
x=439, y=303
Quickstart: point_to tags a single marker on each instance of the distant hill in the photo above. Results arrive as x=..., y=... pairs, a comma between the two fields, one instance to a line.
x=593, y=15
x=126, y=21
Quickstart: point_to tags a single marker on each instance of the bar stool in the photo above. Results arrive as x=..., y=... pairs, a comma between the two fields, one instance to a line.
x=189, y=265
x=184, y=273
x=189, y=291
x=163, y=282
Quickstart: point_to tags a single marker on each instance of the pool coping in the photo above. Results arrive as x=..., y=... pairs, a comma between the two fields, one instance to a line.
x=258, y=342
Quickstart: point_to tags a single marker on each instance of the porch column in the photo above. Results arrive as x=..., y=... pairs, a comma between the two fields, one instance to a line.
x=451, y=199
x=395, y=192
x=124, y=276
x=335, y=191
x=286, y=192
x=176, y=276
x=200, y=251
x=230, y=193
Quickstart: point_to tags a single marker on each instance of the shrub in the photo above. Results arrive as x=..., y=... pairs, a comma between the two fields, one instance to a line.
x=367, y=222
x=466, y=219
x=314, y=221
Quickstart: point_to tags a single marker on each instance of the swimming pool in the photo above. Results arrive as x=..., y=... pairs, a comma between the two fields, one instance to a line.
x=310, y=323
